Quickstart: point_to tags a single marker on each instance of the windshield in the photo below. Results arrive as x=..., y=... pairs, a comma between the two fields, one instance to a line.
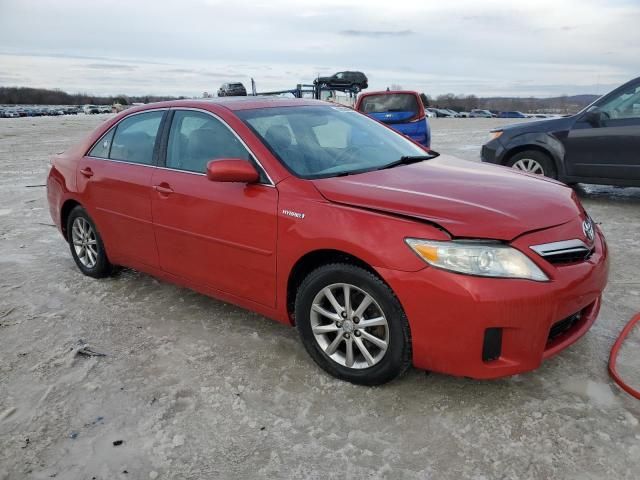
x=393, y=102
x=327, y=141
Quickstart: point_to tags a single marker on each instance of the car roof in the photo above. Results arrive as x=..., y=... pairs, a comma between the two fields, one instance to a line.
x=236, y=103
x=389, y=92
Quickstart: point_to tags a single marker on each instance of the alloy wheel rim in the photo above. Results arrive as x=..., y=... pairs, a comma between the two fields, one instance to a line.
x=84, y=242
x=349, y=326
x=529, y=165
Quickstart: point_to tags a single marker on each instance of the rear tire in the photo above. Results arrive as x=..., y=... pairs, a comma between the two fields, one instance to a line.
x=533, y=161
x=85, y=243
x=370, y=345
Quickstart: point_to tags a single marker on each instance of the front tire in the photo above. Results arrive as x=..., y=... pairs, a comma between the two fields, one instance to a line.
x=352, y=325
x=533, y=161
x=85, y=243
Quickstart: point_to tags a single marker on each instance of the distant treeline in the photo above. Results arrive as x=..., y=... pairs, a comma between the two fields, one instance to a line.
x=562, y=104
x=42, y=96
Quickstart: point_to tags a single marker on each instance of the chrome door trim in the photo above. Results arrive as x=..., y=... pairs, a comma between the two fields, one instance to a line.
x=120, y=161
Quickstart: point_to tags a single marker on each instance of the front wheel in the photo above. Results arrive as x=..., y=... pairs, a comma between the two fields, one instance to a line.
x=533, y=161
x=352, y=325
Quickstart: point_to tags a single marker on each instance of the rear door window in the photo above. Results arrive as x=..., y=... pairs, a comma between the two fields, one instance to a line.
x=135, y=138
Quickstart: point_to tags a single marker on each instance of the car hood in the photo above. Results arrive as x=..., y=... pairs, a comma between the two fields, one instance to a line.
x=544, y=125
x=468, y=199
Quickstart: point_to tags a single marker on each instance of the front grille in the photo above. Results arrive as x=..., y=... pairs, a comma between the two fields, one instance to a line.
x=563, y=326
x=569, y=256
x=567, y=251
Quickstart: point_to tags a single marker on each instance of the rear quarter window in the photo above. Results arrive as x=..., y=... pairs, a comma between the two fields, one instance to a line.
x=102, y=147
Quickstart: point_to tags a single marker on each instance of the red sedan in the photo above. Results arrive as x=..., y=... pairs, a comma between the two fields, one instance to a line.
x=381, y=254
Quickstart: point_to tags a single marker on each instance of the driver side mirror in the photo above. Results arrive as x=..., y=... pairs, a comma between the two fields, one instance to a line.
x=232, y=170
x=594, y=118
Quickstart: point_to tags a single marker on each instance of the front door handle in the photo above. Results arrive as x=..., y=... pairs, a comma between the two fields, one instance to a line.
x=163, y=188
x=87, y=172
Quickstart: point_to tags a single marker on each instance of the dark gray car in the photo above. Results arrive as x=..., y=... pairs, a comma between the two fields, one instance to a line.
x=600, y=144
x=355, y=81
x=232, y=90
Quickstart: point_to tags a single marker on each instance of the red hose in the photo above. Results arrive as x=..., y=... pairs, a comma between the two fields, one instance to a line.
x=614, y=357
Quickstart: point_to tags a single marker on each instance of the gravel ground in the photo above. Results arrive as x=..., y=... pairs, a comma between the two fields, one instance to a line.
x=199, y=389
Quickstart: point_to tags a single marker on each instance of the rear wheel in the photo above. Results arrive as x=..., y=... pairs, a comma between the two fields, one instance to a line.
x=533, y=161
x=352, y=325
x=86, y=245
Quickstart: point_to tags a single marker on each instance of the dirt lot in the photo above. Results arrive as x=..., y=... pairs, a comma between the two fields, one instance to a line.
x=198, y=389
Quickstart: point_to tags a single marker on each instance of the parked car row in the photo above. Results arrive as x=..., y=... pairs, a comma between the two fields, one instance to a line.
x=13, y=111
x=475, y=113
x=92, y=109
x=445, y=113
x=480, y=113
x=31, y=111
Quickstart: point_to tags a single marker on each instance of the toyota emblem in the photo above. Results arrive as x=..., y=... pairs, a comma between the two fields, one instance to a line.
x=587, y=228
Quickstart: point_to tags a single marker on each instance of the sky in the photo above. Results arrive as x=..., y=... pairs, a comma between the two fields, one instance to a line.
x=185, y=47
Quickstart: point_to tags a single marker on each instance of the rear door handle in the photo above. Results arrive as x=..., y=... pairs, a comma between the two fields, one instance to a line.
x=87, y=172
x=163, y=188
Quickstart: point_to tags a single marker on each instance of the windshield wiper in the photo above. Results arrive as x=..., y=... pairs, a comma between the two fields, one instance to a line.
x=409, y=159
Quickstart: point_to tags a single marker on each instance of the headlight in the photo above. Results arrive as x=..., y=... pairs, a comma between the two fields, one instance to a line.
x=495, y=134
x=477, y=258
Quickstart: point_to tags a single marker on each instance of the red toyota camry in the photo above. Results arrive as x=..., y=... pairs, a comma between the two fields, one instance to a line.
x=381, y=253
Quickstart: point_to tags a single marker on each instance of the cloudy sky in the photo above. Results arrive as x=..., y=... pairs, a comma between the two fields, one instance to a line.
x=185, y=47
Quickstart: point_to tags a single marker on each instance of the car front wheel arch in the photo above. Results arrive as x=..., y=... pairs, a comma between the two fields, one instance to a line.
x=516, y=151
x=312, y=261
x=352, y=324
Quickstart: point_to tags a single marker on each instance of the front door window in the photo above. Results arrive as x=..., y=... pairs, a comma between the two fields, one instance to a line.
x=623, y=106
x=197, y=138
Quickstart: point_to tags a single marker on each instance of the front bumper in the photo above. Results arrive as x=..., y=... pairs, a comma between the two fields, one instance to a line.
x=449, y=315
x=492, y=152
